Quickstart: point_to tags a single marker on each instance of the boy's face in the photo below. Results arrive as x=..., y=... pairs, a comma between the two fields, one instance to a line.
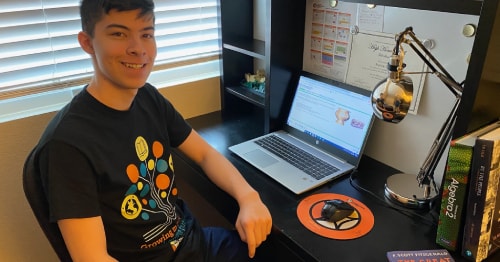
x=123, y=49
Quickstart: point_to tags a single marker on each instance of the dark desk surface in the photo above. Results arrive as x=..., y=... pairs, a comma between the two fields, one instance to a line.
x=393, y=230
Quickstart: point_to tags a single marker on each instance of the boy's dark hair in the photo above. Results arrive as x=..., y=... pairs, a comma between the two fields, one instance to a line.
x=91, y=11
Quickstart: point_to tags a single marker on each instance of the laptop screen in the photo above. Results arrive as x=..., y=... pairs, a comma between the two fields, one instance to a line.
x=333, y=114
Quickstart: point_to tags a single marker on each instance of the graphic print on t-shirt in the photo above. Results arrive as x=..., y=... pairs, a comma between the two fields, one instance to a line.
x=152, y=191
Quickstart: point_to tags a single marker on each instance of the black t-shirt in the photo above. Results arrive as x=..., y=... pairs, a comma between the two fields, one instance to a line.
x=97, y=161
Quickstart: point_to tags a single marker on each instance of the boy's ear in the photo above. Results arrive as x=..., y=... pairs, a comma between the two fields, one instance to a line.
x=85, y=41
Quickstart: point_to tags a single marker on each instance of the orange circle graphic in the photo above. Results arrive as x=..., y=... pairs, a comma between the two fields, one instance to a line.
x=357, y=224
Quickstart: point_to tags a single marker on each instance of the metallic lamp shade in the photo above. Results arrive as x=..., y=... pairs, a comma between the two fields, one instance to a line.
x=391, y=99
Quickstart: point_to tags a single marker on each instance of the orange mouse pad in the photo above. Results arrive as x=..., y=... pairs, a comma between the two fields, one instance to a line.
x=355, y=225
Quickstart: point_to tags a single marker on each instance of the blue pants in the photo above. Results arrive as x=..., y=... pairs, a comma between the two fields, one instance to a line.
x=210, y=244
x=225, y=245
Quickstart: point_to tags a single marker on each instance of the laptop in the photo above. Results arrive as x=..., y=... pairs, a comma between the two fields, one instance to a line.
x=328, y=123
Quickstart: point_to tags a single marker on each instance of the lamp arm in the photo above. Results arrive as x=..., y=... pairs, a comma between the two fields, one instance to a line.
x=425, y=176
x=444, y=76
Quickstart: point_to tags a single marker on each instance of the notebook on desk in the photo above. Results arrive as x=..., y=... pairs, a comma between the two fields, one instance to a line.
x=323, y=138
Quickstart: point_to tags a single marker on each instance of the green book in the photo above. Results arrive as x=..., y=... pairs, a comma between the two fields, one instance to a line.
x=455, y=188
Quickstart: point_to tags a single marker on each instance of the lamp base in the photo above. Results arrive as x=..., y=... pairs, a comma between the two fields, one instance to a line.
x=404, y=189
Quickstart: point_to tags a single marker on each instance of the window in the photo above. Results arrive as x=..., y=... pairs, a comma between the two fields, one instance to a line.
x=39, y=52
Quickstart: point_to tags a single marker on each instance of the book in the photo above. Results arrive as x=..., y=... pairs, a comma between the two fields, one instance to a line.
x=455, y=187
x=482, y=198
x=434, y=255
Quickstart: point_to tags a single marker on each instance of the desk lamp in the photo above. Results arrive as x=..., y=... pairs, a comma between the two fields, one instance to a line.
x=391, y=100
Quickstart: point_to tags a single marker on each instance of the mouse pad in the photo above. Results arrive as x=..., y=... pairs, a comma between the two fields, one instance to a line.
x=357, y=224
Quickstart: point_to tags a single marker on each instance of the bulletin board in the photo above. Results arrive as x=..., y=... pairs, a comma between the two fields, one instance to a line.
x=352, y=43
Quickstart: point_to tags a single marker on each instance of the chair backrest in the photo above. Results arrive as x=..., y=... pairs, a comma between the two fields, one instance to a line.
x=35, y=195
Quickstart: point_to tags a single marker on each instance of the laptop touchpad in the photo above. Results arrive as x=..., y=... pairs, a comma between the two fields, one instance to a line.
x=260, y=158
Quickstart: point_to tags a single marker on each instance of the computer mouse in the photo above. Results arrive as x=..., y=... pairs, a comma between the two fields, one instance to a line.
x=335, y=210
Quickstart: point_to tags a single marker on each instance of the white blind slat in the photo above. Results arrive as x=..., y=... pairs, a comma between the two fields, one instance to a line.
x=22, y=33
x=19, y=5
x=25, y=48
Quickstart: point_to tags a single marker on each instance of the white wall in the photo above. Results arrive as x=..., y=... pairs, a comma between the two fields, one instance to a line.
x=405, y=145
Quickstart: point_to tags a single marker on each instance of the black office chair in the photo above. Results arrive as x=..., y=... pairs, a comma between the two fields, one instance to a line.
x=36, y=198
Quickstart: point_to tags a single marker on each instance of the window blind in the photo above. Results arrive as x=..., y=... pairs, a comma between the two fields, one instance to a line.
x=39, y=50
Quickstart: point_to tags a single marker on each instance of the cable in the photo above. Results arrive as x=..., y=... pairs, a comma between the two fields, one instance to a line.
x=409, y=213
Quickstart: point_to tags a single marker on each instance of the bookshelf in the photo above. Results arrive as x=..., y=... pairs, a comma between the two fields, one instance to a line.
x=279, y=53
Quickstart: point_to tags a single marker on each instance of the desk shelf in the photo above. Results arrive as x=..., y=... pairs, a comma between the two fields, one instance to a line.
x=250, y=47
x=279, y=53
x=248, y=95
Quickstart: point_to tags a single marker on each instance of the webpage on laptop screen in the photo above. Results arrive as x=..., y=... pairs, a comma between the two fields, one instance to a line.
x=331, y=114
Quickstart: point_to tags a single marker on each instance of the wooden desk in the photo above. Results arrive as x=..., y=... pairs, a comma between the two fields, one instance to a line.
x=290, y=240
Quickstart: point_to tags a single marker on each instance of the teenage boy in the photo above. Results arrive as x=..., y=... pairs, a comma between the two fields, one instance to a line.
x=106, y=164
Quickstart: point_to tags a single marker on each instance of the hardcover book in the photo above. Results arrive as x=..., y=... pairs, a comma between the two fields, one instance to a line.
x=434, y=255
x=483, y=197
x=455, y=186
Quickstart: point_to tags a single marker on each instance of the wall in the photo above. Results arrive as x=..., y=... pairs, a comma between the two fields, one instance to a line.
x=406, y=145
x=20, y=237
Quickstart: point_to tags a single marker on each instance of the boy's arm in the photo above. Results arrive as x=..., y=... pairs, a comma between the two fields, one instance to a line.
x=85, y=239
x=254, y=220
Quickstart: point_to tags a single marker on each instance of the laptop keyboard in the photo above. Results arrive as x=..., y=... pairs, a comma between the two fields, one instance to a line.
x=299, y=158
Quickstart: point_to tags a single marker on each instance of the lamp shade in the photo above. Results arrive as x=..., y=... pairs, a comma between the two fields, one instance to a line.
x=391, y=98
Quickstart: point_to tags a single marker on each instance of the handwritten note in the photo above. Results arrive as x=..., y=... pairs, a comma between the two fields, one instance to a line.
x=371, y=19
